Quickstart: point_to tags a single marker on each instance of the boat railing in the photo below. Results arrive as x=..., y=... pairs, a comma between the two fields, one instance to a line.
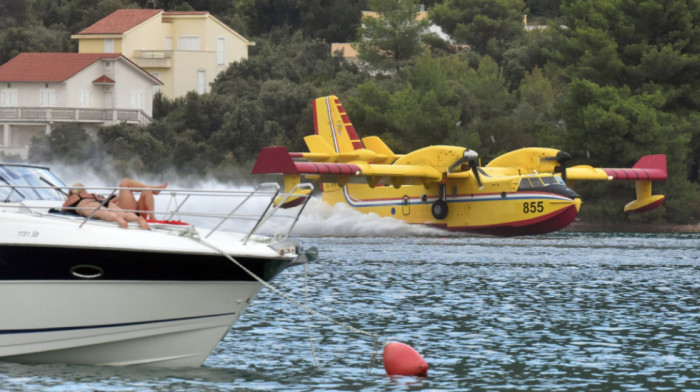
x=258, y=206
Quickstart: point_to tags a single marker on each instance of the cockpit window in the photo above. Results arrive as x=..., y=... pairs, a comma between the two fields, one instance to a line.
x=28, y=183
x=525, y=183
x=549, y=180
x=539, y=182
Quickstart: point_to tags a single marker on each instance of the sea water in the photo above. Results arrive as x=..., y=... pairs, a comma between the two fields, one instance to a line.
x=567, y=311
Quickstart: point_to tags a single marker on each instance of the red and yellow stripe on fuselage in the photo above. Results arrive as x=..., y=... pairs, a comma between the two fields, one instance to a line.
x=504, y=213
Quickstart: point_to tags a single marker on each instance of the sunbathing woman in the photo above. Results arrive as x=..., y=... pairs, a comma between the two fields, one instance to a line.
x=84, y=203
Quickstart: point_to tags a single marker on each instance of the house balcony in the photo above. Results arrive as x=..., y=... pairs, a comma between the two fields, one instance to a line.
x=153, y=58
x=19, y=125
x=50, y=115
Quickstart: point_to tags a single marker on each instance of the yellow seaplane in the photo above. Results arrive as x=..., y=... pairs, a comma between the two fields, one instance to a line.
x=522, y=192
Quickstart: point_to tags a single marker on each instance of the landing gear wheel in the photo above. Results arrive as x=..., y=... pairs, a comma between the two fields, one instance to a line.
x=439, y=209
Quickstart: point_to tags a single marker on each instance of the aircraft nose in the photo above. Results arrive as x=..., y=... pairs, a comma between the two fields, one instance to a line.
x=577, y=203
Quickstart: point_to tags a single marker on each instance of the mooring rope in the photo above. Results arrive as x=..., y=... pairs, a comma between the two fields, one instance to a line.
x=308, y=319
x=295, y=302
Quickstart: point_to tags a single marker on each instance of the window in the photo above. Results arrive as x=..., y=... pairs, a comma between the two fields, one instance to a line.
x=47, y=97
x=201, y=82
x=109, y=45
x=9, y=97
x=524, y=184
x=548, y=180
x=220, y=51
x=85, y=98
x=156, y=88
x=168, y=44
x=188, y=42
x=537, y=182
x=137, y=99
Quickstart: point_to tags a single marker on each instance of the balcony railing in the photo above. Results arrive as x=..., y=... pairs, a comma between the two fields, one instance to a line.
x=153, y=54
x=62, y=114
x=153, y=58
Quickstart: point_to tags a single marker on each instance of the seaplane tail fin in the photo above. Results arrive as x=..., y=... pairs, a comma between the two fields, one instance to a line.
x=334, y=126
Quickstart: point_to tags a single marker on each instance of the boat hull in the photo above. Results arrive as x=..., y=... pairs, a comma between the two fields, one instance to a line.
x=152, y=323
x=102, y=295
x=79, y=290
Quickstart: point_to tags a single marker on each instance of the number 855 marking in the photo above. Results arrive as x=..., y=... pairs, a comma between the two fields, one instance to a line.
x=533, y=207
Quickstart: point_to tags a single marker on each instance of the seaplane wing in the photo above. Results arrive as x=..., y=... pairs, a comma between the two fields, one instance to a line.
x=648, y=168
x=278, y=160
x=522, y=192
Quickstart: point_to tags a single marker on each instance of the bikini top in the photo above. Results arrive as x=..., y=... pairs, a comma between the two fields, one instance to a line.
x=85, y=196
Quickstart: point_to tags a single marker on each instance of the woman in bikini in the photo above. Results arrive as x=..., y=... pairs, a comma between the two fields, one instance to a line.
x=84, y=203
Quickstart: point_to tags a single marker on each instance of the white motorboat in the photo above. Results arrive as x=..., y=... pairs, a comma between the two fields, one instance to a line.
x=84, y=291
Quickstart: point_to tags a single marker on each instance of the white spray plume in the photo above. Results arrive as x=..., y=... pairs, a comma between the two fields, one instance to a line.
x=320, y=218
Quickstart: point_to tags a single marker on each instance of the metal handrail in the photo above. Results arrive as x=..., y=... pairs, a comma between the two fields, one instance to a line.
x=280, y=203
x=178, y=206
x=277, y=190
x=267, y=191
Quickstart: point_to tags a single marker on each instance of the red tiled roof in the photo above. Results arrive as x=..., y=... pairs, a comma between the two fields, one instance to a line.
x=48, y=67
x=120, y=21
x=103, y=80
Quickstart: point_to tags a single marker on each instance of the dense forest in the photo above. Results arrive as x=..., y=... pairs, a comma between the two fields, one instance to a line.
x=606, y=80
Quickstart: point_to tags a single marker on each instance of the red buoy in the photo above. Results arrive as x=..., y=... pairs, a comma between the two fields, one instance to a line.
x=402, y=360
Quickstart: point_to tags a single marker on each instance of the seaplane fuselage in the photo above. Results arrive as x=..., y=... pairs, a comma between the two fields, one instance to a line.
x=523, y=205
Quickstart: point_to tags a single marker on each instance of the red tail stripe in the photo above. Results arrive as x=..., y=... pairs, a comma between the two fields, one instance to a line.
x=315, y=117
x=278, y=160
x=327, y=168
x=636, y=174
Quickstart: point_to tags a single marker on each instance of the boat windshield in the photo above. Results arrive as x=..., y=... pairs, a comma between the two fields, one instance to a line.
x=26, y=182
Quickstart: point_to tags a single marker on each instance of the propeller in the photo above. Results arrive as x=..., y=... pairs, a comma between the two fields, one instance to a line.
x=471, y=157
x=562, y=157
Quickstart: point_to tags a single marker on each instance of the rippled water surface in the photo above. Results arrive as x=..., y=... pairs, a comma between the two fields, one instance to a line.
x=567, y=311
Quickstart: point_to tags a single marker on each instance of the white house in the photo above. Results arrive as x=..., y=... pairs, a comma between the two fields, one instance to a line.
x=39, y=90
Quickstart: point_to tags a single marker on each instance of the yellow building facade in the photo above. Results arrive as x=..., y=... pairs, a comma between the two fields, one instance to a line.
x=184, y=50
